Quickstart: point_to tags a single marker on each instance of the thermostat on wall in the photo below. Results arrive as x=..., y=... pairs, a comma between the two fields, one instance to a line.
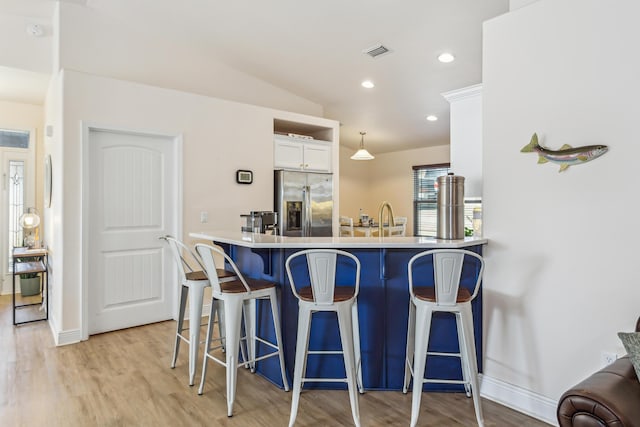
x=244, y=176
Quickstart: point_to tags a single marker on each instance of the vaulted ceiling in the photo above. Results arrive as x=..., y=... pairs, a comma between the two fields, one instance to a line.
x=315, y=50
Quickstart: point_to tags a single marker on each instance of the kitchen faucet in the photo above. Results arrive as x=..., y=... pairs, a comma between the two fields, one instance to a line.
x=390, y=217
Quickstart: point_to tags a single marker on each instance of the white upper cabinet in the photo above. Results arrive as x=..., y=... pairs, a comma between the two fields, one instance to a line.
x=300, y=154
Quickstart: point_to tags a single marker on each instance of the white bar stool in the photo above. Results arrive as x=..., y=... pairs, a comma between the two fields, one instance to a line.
x=192, y=284
x=445, y=295
x=324, y=295
x=236, y=295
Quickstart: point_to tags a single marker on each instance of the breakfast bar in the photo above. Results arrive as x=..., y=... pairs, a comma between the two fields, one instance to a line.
x=383, y=305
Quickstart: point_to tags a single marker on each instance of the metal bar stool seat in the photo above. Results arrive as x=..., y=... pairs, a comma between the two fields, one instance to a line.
x=236, y=297
x=324, y=295
x=192, y=284
x=445, y=295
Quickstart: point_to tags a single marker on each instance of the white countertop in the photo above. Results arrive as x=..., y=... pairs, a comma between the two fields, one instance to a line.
x=256, y=240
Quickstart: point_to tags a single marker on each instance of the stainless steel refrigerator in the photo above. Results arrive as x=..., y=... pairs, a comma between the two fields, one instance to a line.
x=304, y=202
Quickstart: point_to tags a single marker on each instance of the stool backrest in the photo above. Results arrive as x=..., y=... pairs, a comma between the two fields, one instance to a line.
x=346, y=226
x=184, y=257
x=206, y=253
x=447, y=270
x=322, y=265
x=401, y=221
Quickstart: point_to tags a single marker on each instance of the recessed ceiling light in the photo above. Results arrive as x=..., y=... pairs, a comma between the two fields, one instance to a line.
x=368, y=84
x=446, y=57
x=432, y=118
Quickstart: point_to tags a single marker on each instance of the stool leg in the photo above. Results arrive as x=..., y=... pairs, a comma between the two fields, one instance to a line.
x=220, y=311
x=356, y=345
x=184, y=291
x=411, y=334
x=302, y=346
x=467, y=318
x=196, y=295
x=346, y=337
x=233, y=320
x=273, y=298
x=215, y=305
x=423, y=327
x=249, y=314
x=464, y=355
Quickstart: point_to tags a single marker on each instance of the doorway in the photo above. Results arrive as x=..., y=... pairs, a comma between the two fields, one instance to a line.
x=17, y=169
x=132, y=197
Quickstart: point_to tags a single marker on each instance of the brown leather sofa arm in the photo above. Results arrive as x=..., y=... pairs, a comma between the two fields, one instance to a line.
x=608, y=398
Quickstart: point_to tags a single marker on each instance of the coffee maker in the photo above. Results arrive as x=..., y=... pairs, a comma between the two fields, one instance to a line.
x=264, y=222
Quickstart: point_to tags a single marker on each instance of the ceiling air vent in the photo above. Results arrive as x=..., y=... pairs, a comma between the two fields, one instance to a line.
x=376, y=51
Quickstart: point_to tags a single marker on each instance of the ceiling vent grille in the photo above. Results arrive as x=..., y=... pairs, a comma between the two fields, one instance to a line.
x=376, y=51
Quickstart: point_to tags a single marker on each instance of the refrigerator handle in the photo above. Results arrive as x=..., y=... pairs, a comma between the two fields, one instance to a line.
x=306, y=211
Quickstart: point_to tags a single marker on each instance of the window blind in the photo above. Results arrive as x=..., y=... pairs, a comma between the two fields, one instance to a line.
x=425, y=198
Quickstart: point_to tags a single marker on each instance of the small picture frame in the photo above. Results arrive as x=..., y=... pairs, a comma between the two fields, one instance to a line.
x=244, y=176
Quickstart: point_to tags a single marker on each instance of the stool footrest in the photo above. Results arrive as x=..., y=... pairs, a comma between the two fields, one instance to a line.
x=324, y=380
x=325, y=352
x=433, y=380
x=435, y=353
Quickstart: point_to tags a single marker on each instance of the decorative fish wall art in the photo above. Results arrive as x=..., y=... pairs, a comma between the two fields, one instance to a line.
x=566, y=156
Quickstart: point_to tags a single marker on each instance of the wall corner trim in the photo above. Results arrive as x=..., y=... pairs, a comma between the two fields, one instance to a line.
x=519, y=399
x=463, y=93
x=61, y=338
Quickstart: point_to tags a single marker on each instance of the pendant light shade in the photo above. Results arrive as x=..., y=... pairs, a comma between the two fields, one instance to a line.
x=362, y=153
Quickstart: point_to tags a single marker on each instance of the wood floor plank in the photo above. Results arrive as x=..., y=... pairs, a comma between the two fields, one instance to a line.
x=123, y=378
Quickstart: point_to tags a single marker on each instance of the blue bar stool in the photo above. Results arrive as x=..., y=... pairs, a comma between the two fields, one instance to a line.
x=324, y=295
x=444, y=294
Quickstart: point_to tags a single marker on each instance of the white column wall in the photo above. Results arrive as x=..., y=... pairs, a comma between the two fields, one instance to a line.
x=466, y=137
x=561, y=276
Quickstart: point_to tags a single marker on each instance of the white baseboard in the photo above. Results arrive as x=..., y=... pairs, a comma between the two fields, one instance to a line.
x=519, y=399
x=71, y=336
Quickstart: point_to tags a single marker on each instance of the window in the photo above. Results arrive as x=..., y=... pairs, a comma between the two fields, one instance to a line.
x=425, y=195
x=16, y=204
x=14, y=138
x=14, y=154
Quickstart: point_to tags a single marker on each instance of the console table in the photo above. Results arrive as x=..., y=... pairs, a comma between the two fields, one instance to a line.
x=26, y=261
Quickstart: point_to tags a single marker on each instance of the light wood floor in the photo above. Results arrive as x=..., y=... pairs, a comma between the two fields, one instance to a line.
x=123, y=379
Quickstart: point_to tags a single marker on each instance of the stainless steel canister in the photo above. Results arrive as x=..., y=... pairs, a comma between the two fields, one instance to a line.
x=450, y=207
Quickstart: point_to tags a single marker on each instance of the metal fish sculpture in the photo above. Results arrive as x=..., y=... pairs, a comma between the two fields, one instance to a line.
x=566, y=156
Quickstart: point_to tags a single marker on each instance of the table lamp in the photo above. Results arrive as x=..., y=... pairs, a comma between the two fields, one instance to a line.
x=29, y=221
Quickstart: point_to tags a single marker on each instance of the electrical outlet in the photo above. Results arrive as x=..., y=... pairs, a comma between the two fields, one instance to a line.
x=204, y=217
x=607, y=358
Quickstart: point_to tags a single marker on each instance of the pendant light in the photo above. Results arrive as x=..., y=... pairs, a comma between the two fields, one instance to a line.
x=362, y=153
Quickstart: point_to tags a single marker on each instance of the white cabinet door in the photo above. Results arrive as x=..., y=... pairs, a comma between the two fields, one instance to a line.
x=317, y=157
x=288, y=154
x=300, y=155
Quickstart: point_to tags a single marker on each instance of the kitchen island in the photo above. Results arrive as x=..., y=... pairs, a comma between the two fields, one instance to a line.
x=383, y=305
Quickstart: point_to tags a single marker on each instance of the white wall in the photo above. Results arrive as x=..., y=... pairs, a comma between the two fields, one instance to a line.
x=466, y=137
x=366, y=184
x=219, y=137
x=561, y=277
x=53, y=236
x=517, y=4
x=101, y=45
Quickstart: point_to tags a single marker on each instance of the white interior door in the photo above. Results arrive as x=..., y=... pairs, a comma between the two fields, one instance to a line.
x=133, y=193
